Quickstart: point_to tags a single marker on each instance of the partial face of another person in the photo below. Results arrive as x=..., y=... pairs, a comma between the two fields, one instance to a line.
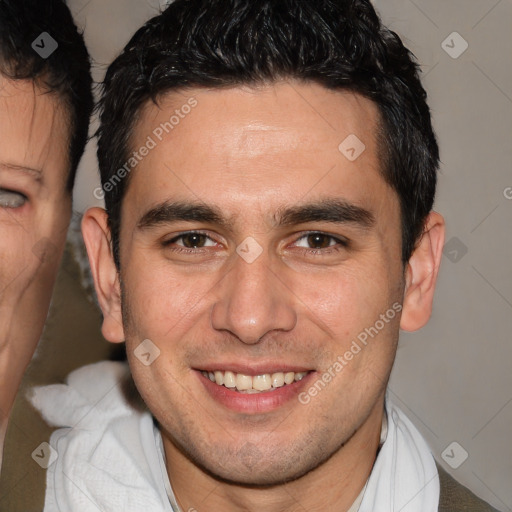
x=252, y=248
x=35, y=209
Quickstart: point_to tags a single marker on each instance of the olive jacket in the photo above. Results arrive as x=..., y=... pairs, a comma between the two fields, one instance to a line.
x=454, y=497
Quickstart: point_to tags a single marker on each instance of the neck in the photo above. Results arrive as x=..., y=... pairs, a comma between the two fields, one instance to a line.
x=334, y=485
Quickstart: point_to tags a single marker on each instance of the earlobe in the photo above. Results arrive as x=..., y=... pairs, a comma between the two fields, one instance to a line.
x=96, y=235
x=421, y=274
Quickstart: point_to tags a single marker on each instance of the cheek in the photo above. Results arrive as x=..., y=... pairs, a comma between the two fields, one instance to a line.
x=346, y=307
x=344, y=300
x=28, y=271
x=14, y=253
x=36, y=231
x=24, y=256
x=164, y=304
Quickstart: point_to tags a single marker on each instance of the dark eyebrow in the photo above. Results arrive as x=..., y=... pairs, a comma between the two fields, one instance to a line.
x=337, y=211
x=327, y=210
x=168, y=212
x=36, y=173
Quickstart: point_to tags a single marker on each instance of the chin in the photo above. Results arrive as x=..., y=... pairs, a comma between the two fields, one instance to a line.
x=255, y=478
x=250, y=468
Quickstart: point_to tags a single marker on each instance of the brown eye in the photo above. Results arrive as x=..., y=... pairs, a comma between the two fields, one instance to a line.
x=193, y=240
x=319, y=240
x=190, y=240
x=316, y=243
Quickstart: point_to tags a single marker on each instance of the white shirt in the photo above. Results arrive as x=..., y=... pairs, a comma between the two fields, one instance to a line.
x=172, y=498
x=111, y=457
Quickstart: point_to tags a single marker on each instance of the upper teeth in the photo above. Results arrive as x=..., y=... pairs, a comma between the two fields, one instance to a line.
x=249, y=384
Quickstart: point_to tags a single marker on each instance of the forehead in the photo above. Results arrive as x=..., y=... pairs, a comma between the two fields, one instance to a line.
x=244, y=148
x=307, y=113
x=34, y=126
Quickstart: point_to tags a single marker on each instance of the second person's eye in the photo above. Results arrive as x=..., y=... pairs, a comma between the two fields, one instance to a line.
x=11, y=199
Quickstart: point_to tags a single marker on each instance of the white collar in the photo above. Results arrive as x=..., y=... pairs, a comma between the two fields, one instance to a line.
x=108, y=452
x=172, y=498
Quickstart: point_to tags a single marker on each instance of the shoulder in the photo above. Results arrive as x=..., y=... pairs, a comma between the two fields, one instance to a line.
x=91, y=396
x=105, y=443
x=454, y=497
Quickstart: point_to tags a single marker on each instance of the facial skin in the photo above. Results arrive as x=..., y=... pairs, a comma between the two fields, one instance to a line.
x=252, y=153
x=35, y=210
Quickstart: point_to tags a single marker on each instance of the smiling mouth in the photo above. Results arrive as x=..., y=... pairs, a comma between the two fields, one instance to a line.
x=253, y=384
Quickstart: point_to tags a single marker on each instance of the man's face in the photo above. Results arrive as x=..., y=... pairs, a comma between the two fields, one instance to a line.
x=323, y=276
x=34, y=214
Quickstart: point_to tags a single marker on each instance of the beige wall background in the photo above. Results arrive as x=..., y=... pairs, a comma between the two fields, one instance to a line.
x=453, y=377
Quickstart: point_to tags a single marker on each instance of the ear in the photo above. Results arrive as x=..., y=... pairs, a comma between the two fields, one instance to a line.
x=96, y=235
x=421, y=274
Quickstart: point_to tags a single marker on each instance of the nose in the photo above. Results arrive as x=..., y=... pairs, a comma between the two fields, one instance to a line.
x=252, y=301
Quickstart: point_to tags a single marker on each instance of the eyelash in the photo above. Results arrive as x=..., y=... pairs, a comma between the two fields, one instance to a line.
x=305, y=251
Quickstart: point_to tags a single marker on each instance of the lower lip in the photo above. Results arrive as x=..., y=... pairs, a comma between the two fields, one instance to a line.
x=254, y=403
